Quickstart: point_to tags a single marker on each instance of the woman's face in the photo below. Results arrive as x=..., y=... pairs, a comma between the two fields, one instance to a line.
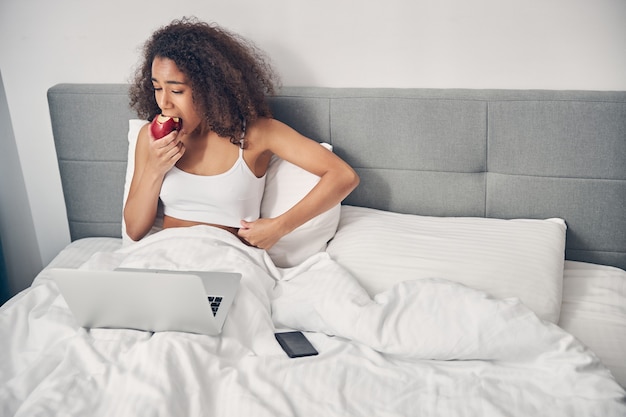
x=173, y=93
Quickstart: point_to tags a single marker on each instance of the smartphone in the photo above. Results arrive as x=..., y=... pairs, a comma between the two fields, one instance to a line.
x=295, y=344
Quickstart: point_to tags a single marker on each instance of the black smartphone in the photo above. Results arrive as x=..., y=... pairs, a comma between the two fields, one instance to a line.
x=295, y=344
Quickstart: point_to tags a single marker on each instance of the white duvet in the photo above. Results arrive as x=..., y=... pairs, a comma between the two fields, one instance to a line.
x=424, y=348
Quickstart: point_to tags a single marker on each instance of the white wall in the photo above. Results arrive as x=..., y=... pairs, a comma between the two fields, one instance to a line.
x=15, y=215
x=517, y=44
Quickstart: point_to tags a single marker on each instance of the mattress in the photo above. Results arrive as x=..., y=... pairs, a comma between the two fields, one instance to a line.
x=593, y=305
x=385, y=355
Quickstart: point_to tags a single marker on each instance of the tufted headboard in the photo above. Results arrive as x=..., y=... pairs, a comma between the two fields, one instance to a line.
x=493, y=153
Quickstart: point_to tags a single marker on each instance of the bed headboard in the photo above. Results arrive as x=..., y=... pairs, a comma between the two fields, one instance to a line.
x=493, y=153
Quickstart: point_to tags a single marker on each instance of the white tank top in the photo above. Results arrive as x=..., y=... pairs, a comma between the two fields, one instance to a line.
x=223, y=199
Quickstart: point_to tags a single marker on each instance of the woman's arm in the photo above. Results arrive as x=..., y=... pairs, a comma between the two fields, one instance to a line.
x=153, y=158
x=337, y=180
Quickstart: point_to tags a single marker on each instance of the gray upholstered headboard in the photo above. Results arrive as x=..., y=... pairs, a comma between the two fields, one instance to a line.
x=494, y=153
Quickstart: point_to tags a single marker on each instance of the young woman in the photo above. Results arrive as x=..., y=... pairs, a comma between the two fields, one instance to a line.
x=212, y=171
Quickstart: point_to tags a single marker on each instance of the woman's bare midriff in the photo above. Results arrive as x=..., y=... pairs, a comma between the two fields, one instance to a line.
x=174, y=222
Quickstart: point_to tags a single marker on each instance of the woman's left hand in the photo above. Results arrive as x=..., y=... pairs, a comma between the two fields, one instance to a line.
x=261, y=233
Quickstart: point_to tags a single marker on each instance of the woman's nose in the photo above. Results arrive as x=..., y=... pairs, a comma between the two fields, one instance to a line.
x=163, y=100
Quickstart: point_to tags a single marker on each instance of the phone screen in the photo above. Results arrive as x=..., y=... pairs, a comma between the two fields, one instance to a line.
x=295, y=344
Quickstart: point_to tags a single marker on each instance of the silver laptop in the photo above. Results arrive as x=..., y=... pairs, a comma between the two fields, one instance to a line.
x=152, y=300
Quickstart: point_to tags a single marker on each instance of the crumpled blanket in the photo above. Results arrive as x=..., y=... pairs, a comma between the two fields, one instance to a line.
x=425, y=347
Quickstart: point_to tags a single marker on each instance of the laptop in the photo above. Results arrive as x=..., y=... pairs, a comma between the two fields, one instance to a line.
x=151, y=300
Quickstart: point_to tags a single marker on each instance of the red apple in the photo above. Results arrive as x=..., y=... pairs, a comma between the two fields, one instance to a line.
x=162, y=125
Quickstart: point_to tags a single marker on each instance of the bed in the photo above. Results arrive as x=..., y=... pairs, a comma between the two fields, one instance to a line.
x=477, y=270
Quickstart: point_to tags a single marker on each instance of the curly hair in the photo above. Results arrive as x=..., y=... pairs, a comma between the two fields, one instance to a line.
x=230, y=78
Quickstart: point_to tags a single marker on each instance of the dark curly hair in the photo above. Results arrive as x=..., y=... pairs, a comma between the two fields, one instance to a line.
x=230, y=78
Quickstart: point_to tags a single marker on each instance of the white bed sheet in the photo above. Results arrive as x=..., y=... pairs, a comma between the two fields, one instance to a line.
x=51, y=367
x=78, y=252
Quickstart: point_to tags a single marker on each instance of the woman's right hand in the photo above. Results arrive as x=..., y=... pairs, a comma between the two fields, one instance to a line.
x=165, y=152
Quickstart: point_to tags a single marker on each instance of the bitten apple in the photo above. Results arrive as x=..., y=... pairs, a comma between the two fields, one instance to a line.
x=162, y=125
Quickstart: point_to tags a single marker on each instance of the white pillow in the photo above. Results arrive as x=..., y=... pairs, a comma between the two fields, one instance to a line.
x=505, y=258
x=286, y=184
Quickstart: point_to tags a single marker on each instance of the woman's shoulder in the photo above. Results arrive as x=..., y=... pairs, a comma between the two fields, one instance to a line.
x=266, y=129
x=270, y=136
x=264, y=124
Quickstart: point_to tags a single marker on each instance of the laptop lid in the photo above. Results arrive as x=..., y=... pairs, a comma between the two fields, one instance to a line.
x=152, y=300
